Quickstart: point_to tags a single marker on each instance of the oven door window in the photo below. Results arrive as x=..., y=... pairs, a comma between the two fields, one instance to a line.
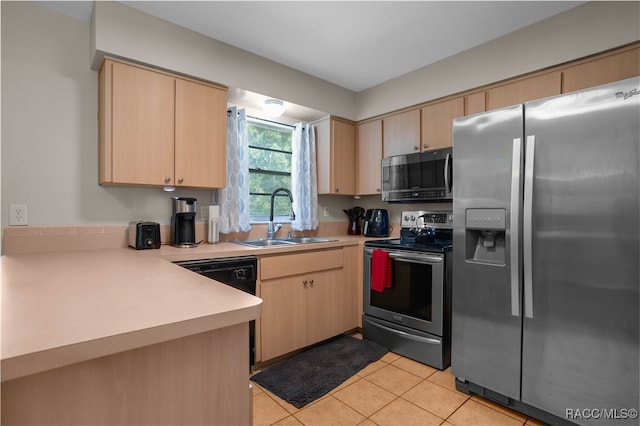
x=411, y=290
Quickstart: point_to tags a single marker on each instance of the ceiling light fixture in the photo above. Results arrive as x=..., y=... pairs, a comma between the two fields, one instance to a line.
x=273, y=107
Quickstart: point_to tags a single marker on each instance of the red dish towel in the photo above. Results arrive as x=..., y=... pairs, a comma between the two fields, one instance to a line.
x=380, y=270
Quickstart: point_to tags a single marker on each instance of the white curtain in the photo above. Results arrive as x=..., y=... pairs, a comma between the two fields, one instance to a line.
x=304, y=181
x=234, y=199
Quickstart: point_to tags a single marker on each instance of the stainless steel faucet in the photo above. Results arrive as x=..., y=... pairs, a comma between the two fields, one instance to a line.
x=273, y=228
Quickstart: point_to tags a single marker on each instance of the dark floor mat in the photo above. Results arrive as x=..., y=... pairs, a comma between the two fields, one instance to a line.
x=313, y=373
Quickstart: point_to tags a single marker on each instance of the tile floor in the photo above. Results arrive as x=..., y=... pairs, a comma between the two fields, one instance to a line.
x=391, y=391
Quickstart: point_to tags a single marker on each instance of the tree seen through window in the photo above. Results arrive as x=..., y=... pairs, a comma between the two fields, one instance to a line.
x=269, y=167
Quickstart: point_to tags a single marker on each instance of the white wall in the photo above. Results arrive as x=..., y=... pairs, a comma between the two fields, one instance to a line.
x=591, y=28
x=121, y=31
x=49, y=100
x=50, y=128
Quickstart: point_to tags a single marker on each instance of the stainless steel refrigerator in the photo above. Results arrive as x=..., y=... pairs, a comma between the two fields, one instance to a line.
x=546, y=254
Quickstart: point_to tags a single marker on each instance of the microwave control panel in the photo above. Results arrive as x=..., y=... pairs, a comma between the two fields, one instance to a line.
x=415, y=195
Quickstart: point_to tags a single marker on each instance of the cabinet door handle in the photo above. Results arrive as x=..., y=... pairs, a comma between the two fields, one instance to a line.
x=167, y=179
x=337, y=190
x=180, y=180
x=425, y=146
x=311, y=282
x=304, y=283
x=416, y=148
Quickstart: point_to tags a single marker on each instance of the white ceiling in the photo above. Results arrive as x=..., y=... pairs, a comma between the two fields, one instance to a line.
x=357, y=44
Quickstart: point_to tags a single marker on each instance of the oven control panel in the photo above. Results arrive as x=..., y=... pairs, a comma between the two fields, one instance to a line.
x=427, y=219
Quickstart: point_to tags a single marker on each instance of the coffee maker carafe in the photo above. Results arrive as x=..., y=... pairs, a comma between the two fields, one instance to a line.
x=183, y=222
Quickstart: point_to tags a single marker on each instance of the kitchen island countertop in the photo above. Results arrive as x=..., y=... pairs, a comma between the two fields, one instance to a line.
x=66, y=307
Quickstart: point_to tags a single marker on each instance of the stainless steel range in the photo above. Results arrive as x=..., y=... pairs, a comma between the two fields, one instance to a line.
x=407, y=288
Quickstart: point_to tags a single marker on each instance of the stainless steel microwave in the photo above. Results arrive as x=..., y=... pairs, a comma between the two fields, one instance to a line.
x=422, y=176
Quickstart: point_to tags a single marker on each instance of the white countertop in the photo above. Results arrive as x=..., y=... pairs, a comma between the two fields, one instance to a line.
x=67, y=307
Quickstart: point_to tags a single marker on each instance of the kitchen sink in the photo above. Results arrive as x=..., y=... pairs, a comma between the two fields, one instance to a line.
x=264, y=242
x=269, y=242
x=306, y=240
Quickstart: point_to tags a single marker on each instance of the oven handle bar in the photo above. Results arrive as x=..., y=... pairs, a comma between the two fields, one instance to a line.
x=409, y=257
x=406, y=335
x=421, y=258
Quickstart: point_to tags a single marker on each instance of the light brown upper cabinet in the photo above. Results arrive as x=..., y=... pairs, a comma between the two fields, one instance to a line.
x=427, y=126
x=369, y=157
x=401, y=133
x=159, y=129
x=201, y=135
x=437, y=123
x=611, y=68
x=540, y=86
x=474, y=103
x=336, y=154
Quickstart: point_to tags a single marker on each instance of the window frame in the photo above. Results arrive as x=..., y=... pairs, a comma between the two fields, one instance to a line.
x=261, y=122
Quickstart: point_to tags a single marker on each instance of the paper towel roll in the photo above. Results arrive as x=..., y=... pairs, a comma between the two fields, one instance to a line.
x=214, y=216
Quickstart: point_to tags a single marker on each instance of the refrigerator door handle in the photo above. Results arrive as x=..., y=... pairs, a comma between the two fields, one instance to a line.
x=447, y=164
x=516, y=208
x=527, y=247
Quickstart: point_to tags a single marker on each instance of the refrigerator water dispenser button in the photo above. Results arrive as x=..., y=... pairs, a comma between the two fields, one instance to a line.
x=486, y=219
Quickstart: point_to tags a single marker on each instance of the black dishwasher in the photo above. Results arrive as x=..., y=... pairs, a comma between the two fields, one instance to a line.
x=238, y=272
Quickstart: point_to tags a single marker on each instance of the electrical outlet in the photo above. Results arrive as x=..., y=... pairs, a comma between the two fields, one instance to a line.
x=326, y=211
x=18, y=215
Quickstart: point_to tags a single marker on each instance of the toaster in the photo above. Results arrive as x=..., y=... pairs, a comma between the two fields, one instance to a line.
x=144, y=235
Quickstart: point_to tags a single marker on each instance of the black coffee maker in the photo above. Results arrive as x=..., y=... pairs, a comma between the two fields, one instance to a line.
x=183, y=222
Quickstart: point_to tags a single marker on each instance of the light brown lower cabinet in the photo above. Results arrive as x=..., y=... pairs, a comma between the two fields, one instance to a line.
x=307, y=297
x=198, y=379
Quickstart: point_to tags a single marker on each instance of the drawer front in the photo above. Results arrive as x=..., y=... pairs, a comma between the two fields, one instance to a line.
x=300, y=263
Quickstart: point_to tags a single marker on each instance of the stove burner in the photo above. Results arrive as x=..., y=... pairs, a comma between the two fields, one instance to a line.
x=425, y=236
x=415, y=235
x=436, y=246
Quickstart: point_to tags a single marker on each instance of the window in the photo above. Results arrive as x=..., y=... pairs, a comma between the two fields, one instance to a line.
x=269, y=167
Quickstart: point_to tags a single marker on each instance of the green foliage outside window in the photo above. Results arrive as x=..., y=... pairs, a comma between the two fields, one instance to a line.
x=269, y=167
